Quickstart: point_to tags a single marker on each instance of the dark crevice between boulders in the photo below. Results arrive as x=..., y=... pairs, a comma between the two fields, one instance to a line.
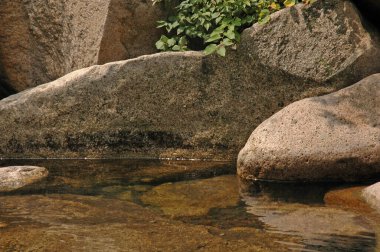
x=370, y=9
x=5, y=88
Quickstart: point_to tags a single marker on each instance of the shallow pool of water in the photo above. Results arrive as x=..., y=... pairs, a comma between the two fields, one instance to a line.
x=149, y=205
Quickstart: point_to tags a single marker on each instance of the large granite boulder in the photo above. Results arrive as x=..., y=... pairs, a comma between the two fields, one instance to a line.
x=372, y=195
x=186, y=104
x=41, y=41
x=326, y=42
x=16, y=177
x=333, y=137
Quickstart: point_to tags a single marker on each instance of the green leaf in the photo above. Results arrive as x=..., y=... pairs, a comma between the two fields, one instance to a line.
x=210, y=49
x=221, y=51
x=214, y=38
x=171, y=42
x=215, y=15
x=265, y=20
x=207, y=26
x=182, y=41
x=180, y=30
x=161, y=24
x=176, y=48
x=236, y=22
x=164, y=39
x=174, y=25
x=289, y=3
x=160, y=45
x=230, y=34
x=227, y=42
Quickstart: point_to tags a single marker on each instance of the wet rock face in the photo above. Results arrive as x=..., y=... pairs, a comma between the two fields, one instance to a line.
x=42, y=41
x=332, y=137
x=372, y=195
x=186, y=104
x=16, y=177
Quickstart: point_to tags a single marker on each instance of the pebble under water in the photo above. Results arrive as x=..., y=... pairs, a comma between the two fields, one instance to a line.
x=151, y=205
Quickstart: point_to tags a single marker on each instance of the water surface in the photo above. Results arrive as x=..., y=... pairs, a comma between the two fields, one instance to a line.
x=150, y=205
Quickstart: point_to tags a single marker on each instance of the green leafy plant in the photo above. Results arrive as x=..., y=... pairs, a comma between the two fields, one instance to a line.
x=213, y=25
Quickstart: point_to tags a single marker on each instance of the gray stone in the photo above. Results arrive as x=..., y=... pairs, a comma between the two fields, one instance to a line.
x=16, y=177
x=333, y=137
x=41, y=41
x=186, y=104
x=372, y=195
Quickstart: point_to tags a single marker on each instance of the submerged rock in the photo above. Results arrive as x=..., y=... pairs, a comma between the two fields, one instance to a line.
x=332, y=137
x=372, y=195
x=85, y=223
x=16, y=177
x=195, y=197
x=348, y=198
x=41, y=41
x=188, y=105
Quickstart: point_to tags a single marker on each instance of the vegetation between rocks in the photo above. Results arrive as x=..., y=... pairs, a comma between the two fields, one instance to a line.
x=213, y=25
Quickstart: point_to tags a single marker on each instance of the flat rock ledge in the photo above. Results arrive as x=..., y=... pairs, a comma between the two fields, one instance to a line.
x=372, y=195
x=335, y=137
x=16, y=177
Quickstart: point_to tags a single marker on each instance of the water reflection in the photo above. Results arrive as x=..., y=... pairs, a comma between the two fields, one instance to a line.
x=298, y=209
